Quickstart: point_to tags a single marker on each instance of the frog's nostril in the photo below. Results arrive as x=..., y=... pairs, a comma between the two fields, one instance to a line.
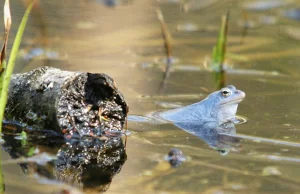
x=241, y=93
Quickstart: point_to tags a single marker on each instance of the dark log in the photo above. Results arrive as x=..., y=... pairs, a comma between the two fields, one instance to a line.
x=72, y=103
x=87, y=109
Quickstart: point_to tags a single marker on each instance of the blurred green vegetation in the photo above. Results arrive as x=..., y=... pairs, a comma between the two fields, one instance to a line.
x=219, y=53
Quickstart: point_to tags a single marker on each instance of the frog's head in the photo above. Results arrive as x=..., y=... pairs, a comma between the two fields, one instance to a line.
x=224, y=103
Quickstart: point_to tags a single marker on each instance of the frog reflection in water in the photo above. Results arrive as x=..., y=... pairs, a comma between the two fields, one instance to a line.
x=211, y=119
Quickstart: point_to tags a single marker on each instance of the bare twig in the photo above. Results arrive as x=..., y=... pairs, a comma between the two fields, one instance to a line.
x=168, y=47
x=166, y=34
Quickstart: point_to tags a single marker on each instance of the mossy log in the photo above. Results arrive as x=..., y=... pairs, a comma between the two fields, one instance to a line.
x=71, y=103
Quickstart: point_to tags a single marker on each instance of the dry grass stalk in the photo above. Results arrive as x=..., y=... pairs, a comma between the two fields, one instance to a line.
x=166, y=34
x=7, y=25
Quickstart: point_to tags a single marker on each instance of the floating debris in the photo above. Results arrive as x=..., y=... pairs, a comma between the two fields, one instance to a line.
x=263, y=5
x=175, y=157
x=191, y=27
x=271, y=170
x=188, y=27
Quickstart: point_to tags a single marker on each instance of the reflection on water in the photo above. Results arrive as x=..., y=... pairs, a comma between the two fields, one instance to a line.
x=262, y=5
x=213, y=134
x=293, y=14
x=125, y=42
x=85, y=164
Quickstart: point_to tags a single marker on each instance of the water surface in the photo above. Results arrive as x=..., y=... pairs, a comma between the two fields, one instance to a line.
x=124, y=41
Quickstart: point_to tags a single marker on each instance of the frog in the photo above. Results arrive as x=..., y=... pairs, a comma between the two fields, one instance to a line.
x=218, y=107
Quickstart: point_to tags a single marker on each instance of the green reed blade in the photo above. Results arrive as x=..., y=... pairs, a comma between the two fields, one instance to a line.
x=6, y=75
x=219, y=50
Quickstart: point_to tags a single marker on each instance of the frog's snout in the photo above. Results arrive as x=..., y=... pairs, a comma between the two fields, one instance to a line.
x=240, y=93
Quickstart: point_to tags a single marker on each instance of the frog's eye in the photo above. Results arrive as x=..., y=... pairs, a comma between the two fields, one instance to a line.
x=225, y=92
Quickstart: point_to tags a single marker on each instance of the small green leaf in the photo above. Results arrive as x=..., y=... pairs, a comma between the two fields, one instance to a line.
x=23, y=138
x=31, y=151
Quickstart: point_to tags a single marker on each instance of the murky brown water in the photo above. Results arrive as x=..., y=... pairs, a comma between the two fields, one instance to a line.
x=126, y=43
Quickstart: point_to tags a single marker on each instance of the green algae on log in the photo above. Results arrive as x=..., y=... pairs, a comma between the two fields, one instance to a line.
x=72, y=103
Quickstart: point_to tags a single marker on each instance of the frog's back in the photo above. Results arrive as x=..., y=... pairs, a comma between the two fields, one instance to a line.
x=193, y=112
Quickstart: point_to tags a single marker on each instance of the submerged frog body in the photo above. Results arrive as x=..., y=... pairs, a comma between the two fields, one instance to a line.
x=219, y=106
